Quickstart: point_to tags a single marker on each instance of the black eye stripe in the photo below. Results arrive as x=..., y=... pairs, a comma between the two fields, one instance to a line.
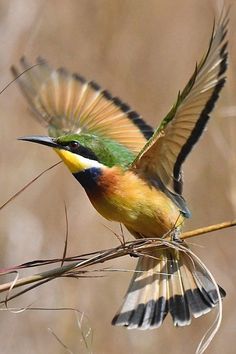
x=86, y=152
x=82, y=151
x=75, y=147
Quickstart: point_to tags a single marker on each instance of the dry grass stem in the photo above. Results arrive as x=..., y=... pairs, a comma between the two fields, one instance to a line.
x=78, y=265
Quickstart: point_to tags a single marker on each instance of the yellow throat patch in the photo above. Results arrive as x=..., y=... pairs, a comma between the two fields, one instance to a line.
x=76, y=163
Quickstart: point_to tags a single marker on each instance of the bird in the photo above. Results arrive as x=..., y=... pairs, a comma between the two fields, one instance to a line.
x=132, y=174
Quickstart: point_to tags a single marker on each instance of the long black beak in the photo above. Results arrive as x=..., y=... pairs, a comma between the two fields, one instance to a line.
x=44, y=140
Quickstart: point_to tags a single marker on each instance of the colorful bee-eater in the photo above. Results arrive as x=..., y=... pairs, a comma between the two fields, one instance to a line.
x=133, y=175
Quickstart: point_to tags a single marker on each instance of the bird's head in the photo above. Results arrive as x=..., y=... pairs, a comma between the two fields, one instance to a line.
x=80, y=152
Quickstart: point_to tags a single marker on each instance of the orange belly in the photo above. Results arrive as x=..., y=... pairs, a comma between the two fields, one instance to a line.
x=128, y=199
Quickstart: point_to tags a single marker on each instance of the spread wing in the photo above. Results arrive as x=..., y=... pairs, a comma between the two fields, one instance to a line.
x=67, y=103
x=162, y=157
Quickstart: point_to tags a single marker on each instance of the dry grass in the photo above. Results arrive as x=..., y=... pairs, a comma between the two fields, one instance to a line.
x=76, y=267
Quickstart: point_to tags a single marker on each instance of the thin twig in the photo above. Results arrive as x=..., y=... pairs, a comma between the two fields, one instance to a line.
x=27, y=185
x=208, y=229
x=81, y=261
x=67, y=234
x=18, y=76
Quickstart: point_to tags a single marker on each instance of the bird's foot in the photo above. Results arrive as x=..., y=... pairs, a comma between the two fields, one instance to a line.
x=175, y=235
x=134, y=254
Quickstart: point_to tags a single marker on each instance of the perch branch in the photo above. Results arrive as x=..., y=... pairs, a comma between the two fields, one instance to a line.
x=208, y=229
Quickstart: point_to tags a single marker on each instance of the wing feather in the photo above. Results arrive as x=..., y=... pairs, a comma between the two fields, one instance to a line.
x=162, y=157
x=67, y=103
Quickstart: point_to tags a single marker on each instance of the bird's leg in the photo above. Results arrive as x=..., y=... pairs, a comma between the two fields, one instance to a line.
x=175, y=234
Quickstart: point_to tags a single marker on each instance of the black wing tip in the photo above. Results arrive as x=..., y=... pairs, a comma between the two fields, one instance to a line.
x=14, y=71
x=63, y=71
x=124, y=107
x=40, y=60
x=25, y=65
x=79, y=78
x=145, y=128
x=107, y=94
x=205, y=114
x=23, y=61
x=95, y=85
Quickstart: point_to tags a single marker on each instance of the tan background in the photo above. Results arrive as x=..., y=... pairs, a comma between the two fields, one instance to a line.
x=144, y=52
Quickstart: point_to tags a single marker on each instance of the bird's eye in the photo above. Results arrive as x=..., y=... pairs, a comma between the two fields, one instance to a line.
x=74, y=144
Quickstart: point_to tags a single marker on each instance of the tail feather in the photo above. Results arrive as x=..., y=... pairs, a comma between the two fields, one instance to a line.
x=166, y=280
x=159, y=293
x=194, y=296
x=178, y=304
x=147, y=311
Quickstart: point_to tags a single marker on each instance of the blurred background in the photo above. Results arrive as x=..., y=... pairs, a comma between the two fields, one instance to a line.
x=144, y=52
